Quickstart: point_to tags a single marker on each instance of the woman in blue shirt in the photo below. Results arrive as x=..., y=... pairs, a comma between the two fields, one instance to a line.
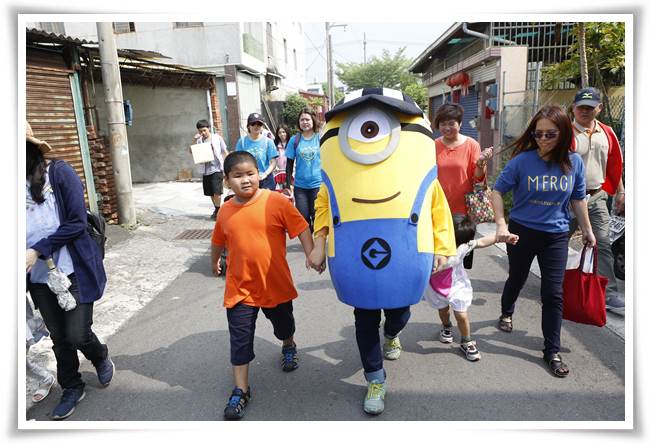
x=303, y=151
x=544, y=177
x=262, y=148
x=57, y=229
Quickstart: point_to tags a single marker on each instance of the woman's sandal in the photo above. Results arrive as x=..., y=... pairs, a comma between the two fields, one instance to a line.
x=505, y=323
x=557, y=367
x=43, y=389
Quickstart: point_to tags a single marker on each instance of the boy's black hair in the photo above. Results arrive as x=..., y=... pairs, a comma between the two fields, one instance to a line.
x=464, y=231
x=202, y=124
x=235, y=158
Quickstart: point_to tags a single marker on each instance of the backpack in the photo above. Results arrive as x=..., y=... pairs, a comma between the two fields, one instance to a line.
x=96, y=226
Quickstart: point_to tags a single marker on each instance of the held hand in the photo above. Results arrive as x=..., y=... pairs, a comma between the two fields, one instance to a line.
x=512, y=239
x=31, y=257
x=588, y=238
x=487, y=153
x=502, y=233
x=619, y=204
x=316, y=260
x=439, y=262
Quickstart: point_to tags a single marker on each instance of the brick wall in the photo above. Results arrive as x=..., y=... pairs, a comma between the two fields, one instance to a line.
x=100, y=155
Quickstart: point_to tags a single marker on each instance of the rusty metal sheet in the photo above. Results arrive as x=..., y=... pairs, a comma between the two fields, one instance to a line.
x=50, y=107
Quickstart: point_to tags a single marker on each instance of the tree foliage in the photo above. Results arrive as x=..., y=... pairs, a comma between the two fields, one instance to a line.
x=338, y=94
x=605, y=48
x=292, y=107
x=387, y=71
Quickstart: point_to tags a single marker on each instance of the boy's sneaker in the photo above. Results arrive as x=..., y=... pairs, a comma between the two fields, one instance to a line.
x=69, y=400
x=471, y=352
x=105, y=370
x=289, y=358
x=237, y=404
x=392, y=348
x=615, y=305
x=374, y=402
x=446, y=335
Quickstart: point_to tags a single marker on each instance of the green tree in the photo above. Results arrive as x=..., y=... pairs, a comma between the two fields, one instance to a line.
x=387, y=71
x=605, y=51
x=292, y=107
x=338, y=94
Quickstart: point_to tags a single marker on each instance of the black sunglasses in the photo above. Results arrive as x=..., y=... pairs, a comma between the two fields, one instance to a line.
x=544, y=135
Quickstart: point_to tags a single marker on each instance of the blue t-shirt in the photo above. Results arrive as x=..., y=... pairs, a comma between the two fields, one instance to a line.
x=541, y=191
x=263, y=149
x=307, y=161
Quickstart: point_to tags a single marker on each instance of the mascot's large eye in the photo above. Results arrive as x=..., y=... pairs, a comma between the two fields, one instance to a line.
x=369, y=136
x=369, y=126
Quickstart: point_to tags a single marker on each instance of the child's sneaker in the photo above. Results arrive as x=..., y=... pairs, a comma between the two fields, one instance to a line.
x=392, y=348
x=289, y=358
x=237, y=404
x=374, y=402
x=446, y=335
x=471, y=352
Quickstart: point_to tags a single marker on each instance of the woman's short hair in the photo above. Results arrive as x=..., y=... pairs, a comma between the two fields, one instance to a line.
x=314, y=119
x=448, y=111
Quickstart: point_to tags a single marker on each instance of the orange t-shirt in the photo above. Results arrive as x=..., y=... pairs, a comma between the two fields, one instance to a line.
x=456, y=171
x=255, y=235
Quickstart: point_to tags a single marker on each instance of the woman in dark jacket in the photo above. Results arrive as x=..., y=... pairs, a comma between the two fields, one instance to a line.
x=57, y=229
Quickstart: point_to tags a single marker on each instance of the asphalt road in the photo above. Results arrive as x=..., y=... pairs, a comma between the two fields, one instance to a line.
x=172, y=361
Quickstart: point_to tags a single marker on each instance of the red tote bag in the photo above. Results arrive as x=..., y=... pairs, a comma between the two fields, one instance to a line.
x=584, y=293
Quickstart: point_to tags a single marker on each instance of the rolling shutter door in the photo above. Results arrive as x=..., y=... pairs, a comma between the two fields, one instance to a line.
x=50, y=108
x=469, y=103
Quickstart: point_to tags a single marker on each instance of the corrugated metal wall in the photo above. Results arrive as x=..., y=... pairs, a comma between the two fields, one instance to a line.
x=50, y=108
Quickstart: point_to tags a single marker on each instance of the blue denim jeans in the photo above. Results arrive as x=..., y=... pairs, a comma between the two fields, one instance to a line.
x=305, y=198
x=366, y=323
x=551, y=250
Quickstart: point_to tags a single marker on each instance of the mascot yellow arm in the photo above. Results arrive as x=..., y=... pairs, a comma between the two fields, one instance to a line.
x=322, y=207
x=444, y=241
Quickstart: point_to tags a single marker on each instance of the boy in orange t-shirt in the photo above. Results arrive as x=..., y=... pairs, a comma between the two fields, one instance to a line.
x=253, y=227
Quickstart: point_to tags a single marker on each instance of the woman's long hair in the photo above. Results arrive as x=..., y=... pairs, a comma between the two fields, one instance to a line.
x=277, y=135
x=559, y=154
x=36, y=168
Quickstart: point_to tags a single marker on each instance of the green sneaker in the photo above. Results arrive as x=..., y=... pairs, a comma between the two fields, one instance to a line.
x=392, y=348
x=374, y=402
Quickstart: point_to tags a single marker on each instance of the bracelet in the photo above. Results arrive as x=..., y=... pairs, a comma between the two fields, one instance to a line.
x=620, y=192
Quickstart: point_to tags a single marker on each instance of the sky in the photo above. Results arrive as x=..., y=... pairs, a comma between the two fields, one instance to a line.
x=347, y=43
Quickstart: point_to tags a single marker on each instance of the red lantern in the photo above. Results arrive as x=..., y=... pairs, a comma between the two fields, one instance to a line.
x=458, y=79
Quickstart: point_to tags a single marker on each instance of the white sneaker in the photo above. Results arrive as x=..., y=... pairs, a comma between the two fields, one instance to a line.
x=446, y=335
x=471, y=352
x=374, y=402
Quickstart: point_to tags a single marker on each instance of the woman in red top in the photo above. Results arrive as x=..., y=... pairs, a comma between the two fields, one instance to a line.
x=460, y=161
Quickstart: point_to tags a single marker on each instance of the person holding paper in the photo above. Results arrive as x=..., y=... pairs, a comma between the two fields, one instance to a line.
x=212, y=170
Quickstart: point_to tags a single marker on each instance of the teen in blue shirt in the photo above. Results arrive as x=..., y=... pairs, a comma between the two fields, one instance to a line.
x=544, y=177
x=303, y=151
x=262, y=148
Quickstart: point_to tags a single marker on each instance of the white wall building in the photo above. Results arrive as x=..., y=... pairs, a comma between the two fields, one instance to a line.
x=251, y=60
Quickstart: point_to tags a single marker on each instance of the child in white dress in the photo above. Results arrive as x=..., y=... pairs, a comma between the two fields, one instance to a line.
x=451, y=287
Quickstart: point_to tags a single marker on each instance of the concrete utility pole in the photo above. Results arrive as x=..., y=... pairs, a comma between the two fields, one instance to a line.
x=364, y=48
x=116, y=123
x=330, y=62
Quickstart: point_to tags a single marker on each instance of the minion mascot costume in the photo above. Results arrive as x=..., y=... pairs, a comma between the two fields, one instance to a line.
x=385, y=214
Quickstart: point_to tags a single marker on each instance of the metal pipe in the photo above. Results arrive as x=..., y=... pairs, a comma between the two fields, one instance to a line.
x=485, y=36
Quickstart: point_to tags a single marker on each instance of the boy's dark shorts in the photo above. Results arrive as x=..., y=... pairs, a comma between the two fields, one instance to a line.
x=213, y=184
x=241, y=324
